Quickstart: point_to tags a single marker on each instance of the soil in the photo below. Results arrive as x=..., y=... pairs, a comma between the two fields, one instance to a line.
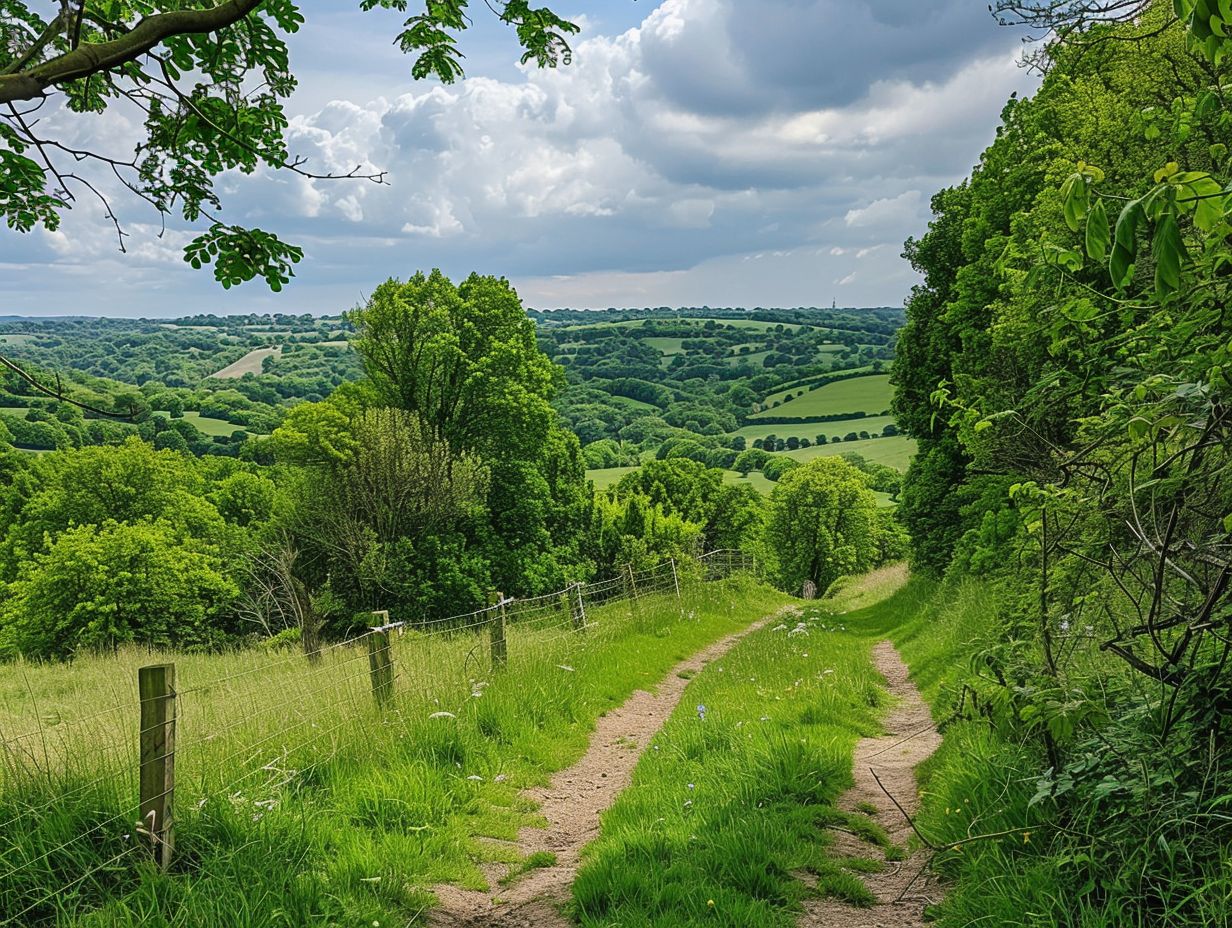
x=902, y=888
x=572, y=803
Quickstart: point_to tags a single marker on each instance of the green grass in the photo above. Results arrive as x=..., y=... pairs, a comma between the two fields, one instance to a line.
x=208, y=425
x=249, y=364
x=17, y=339
x=605, y=477
x=663, y=344
x=730, y=805
x=895, y=451
x=1042, y=865
x=630, y=403
x=755, y=479
x=871, y=394
x=811, y=430
x=297, y=801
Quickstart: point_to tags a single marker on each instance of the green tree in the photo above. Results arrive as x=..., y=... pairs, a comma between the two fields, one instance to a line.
x=821, y=524
x=211, y=79
x=102, y=587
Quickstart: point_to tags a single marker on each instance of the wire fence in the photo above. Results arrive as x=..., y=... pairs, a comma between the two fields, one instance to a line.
x=85, y=800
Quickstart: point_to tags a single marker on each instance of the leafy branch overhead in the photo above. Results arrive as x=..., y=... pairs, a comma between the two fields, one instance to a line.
x=207, y=85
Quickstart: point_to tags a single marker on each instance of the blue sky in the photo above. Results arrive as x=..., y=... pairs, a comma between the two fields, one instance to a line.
x=717, y=152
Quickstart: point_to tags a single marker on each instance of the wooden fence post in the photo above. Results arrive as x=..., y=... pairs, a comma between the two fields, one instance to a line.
x=579, y=617
x=156, y=686
x=675, y=578
x=500, y=653
x=380, y=666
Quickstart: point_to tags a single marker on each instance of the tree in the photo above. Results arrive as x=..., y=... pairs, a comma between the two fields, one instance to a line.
x=463, y=358
x=822, y=523
x=211, y=82
x=102, y=587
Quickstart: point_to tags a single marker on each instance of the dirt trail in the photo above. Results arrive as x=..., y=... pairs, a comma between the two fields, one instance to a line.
x=903, y=888
x=572, y=803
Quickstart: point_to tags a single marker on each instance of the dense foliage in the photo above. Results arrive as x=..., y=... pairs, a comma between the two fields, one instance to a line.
x=1063, y=368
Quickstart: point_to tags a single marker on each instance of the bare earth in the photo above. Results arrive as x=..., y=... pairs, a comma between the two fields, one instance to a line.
x=572, y=803
x=903, y=888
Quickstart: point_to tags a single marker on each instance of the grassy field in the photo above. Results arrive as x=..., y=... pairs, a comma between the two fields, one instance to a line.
x=811, y=430
x=893, y=452
x=605, y=477
x=249, y=363
x=297, y=801
x=755, y=479
x=631, y=403
x=728, y=807
x=664, y=345
x=17, y=339
x=857, y=394
x=750, y=324
x=210, y=426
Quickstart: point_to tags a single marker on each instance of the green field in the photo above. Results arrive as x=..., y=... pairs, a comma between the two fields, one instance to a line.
x=19, y=339
x=249, y=363
x=605, y=477
x=664, y=344
x=208, y=425
x=857, y=394
x=631, y=403
x=756, y=479
x=893, y=452
x=811, y=430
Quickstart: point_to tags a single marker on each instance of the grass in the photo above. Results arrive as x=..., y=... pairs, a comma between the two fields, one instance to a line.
x=17, y=339
x=729, y=806
x=297, y=801
x=756, y=479
x=605, y=477
x=630, y=403
x=249, y=363
x=208, y=425
x=811, y=430
x=895, y=451
x=871, y=393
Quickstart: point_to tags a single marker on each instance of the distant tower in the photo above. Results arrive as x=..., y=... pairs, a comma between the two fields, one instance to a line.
x=834, y=304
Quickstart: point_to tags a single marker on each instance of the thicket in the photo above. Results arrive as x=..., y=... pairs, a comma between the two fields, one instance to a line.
x=1064, y=369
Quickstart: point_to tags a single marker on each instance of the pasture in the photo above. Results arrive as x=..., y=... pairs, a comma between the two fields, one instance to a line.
x=893, y=452
x=871, y=393
x=249, y=363
x=810, y=430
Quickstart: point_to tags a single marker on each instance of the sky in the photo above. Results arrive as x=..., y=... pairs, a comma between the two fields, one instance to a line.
x=695, y=152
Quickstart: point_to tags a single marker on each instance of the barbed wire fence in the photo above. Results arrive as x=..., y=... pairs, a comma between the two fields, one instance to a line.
x=236, y=739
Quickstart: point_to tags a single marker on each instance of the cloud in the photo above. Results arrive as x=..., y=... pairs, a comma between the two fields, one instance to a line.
x=811, y=132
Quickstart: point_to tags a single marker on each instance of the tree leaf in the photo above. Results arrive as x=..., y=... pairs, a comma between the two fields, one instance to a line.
x=1098, y=234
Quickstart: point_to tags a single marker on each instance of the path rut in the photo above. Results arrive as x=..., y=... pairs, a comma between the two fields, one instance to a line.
x=903, y=888
x=572, y=803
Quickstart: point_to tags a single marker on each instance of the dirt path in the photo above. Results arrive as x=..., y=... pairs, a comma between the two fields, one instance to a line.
x=903, y=888
x=572, y=803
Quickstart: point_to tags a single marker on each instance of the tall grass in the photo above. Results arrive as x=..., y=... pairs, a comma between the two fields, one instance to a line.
x=1041, y=864
x=730, y=805
x=297, y=801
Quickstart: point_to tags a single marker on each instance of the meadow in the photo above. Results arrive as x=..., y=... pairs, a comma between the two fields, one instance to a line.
x=810, y=430
x=249, y=364
x=895, y=451
x=734, y=800
x=296, y=798
x=870, y=394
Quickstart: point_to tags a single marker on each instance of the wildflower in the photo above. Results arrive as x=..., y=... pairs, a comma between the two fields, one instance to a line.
x=442, y=715
x=691, y=786
x=499, y=778
x=1026, y=837
x=701, y=712
x=688, y=803
x=475, y=778
x=958, y=847
x=710, y=903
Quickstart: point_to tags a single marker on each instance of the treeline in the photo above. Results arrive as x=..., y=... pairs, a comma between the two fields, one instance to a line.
x=442, y=473
x=1064, y=370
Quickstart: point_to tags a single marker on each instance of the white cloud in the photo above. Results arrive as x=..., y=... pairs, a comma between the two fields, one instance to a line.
x=675, y=145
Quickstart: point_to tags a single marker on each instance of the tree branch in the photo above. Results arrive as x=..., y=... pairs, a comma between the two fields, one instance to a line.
x=95, y=58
